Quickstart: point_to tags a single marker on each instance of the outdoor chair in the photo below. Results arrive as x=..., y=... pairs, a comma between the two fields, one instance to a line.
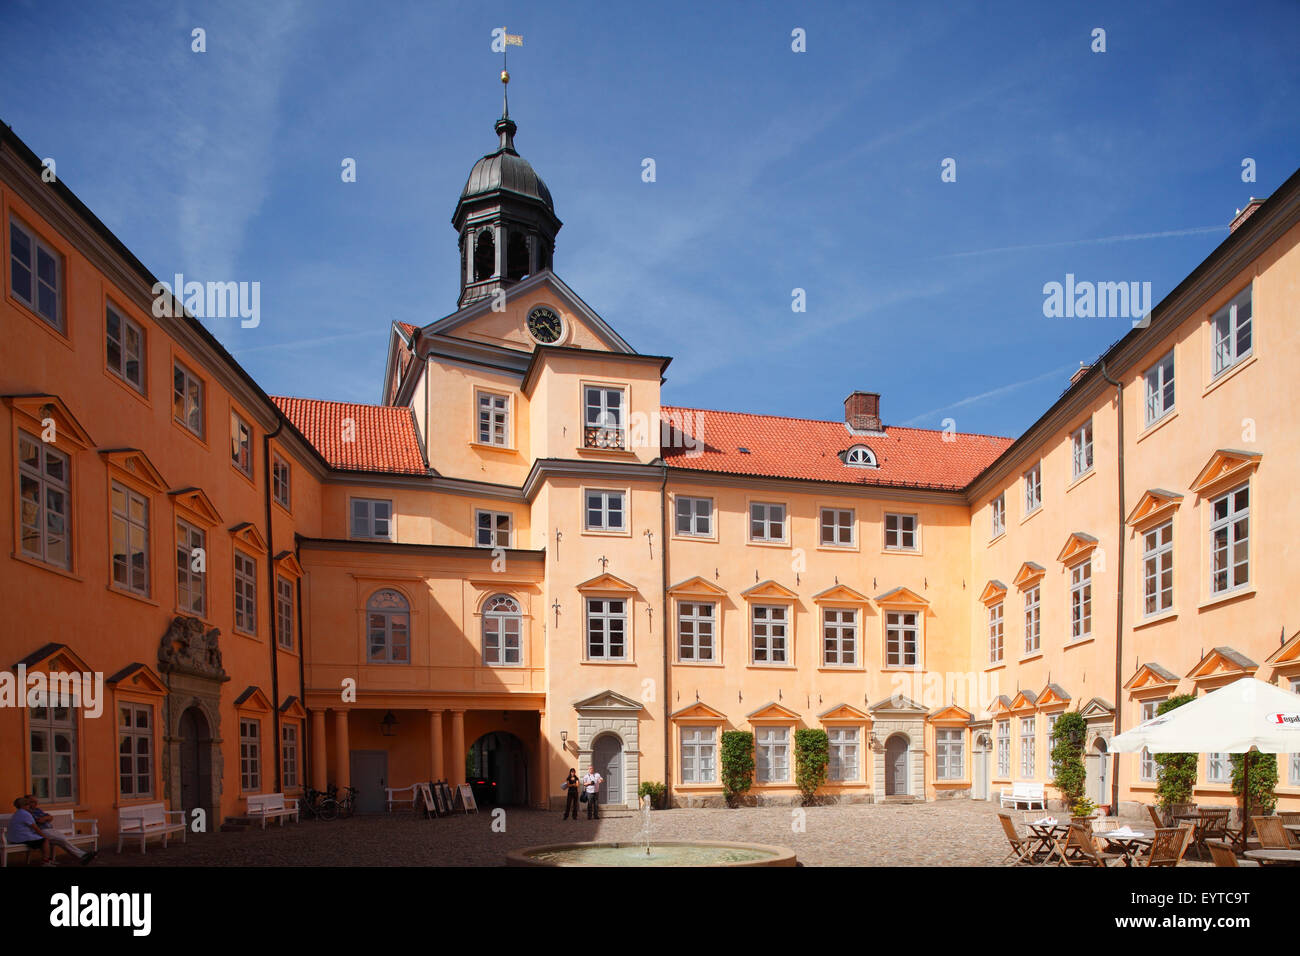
x=1223, y=854
x=1291, y=819
x=1169, y=845
x=1081, y=848
x=1213, y=825
x=1272, y=835
x=1022, y=848
x=1155, y=815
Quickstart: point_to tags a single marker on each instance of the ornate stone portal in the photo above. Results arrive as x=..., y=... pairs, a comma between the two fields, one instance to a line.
x=609, y=713
x=189, y=658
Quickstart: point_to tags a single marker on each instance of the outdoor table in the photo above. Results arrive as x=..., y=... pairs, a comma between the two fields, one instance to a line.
x=1128, y=844
x=1280, y=857
x=1046, y=835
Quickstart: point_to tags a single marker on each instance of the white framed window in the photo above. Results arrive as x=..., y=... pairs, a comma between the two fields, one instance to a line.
x=55, y=758
x=604, y=424
x=995, y=633
x=902, y=639
x=1230, y=541
x=1160, y=389
x=839, y=637
x=1216, y=768
x=1158, y=569
x=135, y=750
x=289, y=755
x=768, y=633
x=1231, y=334
x=45, y=501
x=1028, y=744
x=187, y=399
x=502, y=632
x=241, y=444
x=191, y=569
x=694, y=516
x=949, y=753
x=837, y=526
x=36, y=273
x=494, y=419
x=773, y=754
x=129, y=535
x=1081, y=600
x=604, y=510
x=900, y=532
x=388, y=628
x=492, y=529
x=998, y=511
x=124, y=344
x=1081, y=450
x=281, y=485
x=371, y=518
x=250, y=755
x=1004, y=749
x=606, y=629
x=245, y=593
x=695, y=621
x=1146, y=761
x=766, y=521
x=284, y=612
x=844, y=747
x=1034, y=488
x=699, y=754
x=1033, y=620
x=860, y=456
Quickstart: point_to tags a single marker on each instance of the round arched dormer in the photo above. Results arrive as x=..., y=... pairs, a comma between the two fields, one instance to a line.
x=859, y=456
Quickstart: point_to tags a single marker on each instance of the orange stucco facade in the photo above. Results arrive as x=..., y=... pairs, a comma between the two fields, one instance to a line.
x=529, y=597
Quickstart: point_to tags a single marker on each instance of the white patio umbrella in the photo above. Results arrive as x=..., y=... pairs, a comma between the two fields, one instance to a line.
x=1234, y=719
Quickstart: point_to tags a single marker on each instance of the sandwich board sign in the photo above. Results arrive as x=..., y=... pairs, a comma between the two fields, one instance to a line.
x=426, y=796
x=465, y=796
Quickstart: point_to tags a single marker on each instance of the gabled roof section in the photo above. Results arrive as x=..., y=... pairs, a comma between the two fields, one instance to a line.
x=843, y=712
x=1151, y=676
x=769, y=590
x=1288, y=653
x=1155, y=503
x=808, y=449
x=1024, y=700
x=902, y=596
x=1053, y=695
x=253, y=699
x=448, y=324
x=138, y=678
x=993, y=592
x=1077, y=547
x=898, y=704
x=52, y=418
x=607, y=700
x=772, y=711
x=700, y=711
x=952, y=714
x=54, y=657
x=1222, y=663
x=136, y=464
x=247, y=534
x=840, y=594
x=286, y=563
x=1000, y=704
x=697, y=586
x=374, y=439
x=1098, y=707
x=607, y=582
x=544, y=353
x=1030, y=573
x=1225, y=465
x=292, y=707
x=196, y=503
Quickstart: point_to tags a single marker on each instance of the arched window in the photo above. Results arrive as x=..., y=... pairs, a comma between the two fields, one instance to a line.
x=388, y=628
x=501, y=631
x=517, y=256
x=860, y=456
x=485, y=256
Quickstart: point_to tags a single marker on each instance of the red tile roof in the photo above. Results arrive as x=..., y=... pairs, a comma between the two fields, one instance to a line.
x=382, y=437
x=808, y=449
x=407, y=327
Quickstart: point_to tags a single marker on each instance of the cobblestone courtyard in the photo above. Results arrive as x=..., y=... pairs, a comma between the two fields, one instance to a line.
x=952, y=833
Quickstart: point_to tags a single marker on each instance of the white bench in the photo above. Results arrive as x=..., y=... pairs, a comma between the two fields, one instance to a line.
x=272, y=806
x=1025, y=795
x=149, y=819
x=64, y=822
x=404, y=795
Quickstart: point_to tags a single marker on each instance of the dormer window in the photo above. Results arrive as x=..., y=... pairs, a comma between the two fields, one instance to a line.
x=859, y=456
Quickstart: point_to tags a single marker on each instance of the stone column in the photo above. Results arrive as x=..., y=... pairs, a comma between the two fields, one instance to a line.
x=319, y=765
x=436, y=769
x=499, y=234
x=457, y=774
x=343, y=765
x=541, y=766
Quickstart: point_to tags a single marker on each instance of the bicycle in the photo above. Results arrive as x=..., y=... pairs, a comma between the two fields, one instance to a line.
x=310, y=803
x=333, y=806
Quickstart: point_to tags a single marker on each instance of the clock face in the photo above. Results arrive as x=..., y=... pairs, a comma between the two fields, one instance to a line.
x=544, y=325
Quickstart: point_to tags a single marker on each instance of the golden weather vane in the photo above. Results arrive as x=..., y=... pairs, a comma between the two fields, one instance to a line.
x=509, y=40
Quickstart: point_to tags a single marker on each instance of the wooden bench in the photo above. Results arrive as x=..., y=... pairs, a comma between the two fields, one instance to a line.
x=63, y=821
x=271, y=806
x=149, y=819
x=404, y=795
x=1025, y=796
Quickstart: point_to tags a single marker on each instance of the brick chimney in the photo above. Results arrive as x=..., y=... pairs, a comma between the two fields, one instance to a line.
x=862, y=412
x=1244, y=214
x=1079, y=373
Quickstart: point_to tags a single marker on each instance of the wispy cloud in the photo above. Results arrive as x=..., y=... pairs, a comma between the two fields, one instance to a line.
x=984, y=396
x=1100, y=240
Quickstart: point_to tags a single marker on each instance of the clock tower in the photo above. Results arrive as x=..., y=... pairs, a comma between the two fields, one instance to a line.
x=505, y=219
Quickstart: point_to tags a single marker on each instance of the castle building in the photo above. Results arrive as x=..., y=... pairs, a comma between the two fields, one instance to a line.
x=522, y=560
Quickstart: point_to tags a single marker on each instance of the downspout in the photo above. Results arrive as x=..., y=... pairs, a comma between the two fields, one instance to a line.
x=302, y=678
x=1119, y=588
x=273, y=603
x=663, y=619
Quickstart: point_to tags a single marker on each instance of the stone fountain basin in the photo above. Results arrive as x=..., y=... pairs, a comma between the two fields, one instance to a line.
x=662, y=853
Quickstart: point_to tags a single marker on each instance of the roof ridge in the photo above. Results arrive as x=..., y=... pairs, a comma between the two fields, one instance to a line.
x=829, y=421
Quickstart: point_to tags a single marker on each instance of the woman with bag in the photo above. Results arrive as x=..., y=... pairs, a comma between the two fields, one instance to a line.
x=571, y=787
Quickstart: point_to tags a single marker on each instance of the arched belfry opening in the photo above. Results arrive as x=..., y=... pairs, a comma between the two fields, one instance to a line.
x=505, y=218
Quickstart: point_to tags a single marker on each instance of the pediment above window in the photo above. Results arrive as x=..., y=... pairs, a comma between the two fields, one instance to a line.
x=1225, y=465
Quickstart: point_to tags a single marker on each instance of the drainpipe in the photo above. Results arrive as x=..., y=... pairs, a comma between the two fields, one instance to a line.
x=1119, y=588
x=663, y=619
x=274, y=599
x=302, y=678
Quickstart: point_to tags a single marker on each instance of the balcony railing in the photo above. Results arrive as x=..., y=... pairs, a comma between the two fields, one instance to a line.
x=600, y=436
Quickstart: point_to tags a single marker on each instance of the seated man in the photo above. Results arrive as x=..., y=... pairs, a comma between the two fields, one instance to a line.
x=30, y=826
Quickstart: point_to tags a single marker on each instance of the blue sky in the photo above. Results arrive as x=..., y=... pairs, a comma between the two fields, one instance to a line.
x=776, y=170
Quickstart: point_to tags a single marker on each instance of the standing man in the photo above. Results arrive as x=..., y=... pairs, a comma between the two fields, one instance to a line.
x=591, y=783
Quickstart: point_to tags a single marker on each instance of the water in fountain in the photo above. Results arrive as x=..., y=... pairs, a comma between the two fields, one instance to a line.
x=645, y=822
